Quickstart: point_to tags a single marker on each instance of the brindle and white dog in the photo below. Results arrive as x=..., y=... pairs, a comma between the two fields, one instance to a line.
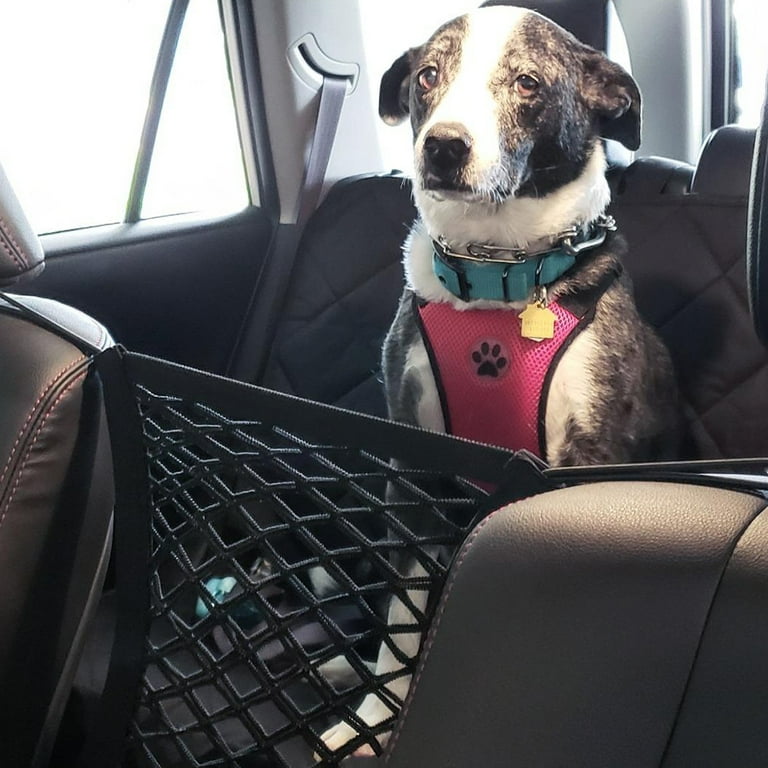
x=508, y=111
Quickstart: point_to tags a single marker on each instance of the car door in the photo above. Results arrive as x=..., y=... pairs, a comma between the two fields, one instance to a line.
x=138, y=163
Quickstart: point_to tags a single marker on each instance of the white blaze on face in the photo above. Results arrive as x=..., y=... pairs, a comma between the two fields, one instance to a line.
x=468, y=100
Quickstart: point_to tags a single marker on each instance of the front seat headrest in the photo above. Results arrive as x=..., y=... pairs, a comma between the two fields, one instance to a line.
x=21, y=255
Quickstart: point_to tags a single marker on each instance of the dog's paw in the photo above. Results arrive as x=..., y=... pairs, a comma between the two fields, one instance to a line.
x=489, y=359
x=342, y=733
x=372, y=712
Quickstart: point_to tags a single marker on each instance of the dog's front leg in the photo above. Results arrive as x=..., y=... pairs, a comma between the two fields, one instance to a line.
x=412, y=398
x=404, y=619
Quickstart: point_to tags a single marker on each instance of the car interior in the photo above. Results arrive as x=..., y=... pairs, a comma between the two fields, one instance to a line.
x=198, y=540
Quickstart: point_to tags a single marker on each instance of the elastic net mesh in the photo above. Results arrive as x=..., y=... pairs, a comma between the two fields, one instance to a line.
x=274, y=560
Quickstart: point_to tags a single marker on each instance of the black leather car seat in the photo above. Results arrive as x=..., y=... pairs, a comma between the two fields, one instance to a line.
x=56, y=496
x=615, y=624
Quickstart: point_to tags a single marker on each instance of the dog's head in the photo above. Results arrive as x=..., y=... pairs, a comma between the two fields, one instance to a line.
x=506, y=104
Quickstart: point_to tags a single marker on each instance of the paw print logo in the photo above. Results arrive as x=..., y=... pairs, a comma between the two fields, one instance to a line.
x=490, y=360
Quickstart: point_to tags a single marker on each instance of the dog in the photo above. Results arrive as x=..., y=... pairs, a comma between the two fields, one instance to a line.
x=512, y=261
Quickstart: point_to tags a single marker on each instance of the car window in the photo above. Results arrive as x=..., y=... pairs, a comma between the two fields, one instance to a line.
x=82, y=72
x=197, y=162
x=751, y=61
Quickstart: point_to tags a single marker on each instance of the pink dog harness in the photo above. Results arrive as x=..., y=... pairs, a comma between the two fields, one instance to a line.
x=494, y=379
x=493, y=383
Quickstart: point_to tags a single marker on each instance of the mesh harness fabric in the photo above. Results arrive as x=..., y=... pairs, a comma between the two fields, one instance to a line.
x=493, y=383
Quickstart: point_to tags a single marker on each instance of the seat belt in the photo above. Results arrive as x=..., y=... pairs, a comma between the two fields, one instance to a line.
x=332, y=93
x=251, y=351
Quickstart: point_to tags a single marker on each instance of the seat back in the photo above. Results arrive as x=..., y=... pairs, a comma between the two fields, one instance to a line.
x=56, y=496
x=346, y=281
x=604, y=625
x=687, y=260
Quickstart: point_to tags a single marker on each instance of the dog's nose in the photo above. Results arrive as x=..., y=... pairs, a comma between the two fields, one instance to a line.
x=446, y=149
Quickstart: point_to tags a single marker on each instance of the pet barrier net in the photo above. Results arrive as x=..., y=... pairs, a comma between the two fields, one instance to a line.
x=280, y=530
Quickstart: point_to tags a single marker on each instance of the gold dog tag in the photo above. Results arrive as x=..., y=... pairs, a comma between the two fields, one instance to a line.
x=538, y=321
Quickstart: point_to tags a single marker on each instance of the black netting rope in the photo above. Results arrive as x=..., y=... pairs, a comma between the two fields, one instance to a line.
x=274, y=557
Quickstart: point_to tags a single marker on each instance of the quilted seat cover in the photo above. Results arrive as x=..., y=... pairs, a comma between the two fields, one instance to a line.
x=686, y=257
x=687, y=260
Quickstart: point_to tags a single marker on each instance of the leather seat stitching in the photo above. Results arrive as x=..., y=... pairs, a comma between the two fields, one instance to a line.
x=6, y=247
x=48, y=387
x=38, y=432
x=19, y=256
x=433, y=630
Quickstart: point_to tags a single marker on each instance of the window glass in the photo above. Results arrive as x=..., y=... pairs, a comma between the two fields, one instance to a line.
x=77, y=75
x=197, y=163
x=751, y=56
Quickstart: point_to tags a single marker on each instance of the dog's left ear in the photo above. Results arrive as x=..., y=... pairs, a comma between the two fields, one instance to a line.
x=394, y=91
x=614, y=96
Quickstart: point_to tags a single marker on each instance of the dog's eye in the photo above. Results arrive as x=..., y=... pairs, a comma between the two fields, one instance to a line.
x=526, y=85
x=428, y=78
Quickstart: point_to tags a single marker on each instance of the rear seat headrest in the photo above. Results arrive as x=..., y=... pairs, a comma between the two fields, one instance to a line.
x=725, y=163
x=21, y=255
x=587, y=19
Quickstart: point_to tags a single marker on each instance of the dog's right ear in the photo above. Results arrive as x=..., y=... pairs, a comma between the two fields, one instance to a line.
x=394, y=90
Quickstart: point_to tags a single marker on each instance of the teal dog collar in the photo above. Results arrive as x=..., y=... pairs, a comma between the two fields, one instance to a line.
x=502, y=274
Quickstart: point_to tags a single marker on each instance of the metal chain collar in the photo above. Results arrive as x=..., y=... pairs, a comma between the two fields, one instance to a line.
x=565, y=241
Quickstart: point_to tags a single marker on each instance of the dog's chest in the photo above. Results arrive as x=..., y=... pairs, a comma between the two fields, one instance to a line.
x=492, y=381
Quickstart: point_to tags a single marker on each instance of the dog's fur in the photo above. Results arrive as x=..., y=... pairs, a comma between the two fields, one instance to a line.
x=533, y=165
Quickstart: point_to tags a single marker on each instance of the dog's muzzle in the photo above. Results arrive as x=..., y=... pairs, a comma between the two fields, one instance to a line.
x=446, y=151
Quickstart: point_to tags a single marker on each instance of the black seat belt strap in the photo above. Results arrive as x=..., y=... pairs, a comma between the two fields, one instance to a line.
x=132, y=536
